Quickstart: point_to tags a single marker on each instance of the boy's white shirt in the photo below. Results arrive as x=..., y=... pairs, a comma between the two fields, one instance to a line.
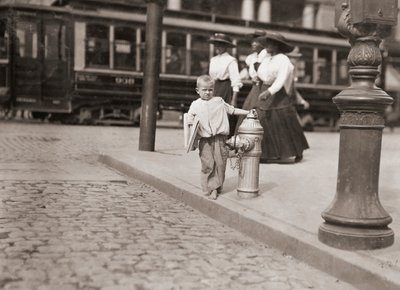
x=212, y=115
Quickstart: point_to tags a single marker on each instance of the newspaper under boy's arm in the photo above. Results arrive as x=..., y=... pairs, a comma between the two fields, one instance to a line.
x=190, y=118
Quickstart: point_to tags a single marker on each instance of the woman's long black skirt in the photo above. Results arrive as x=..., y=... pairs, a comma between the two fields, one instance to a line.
x=283, y=135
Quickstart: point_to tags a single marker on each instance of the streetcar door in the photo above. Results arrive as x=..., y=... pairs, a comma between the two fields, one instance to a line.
x=54, y=76
x=40, y=71
x=27, y=64
x=4, y=62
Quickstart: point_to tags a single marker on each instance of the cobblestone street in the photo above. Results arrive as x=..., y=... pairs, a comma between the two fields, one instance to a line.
x=67, y=222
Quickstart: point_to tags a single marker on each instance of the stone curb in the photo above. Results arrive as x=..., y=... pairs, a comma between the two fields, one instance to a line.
x=355, y=268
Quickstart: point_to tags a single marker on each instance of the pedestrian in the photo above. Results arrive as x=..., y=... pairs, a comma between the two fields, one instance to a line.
x=305, y=118
x=212, y=112
x=253, y=61
x=283, y=135
x=294, y=57
x=175, y=64
x=224, y=70
x=243, y=71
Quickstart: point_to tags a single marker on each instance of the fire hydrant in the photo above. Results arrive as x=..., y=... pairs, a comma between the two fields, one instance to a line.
x=248, y=145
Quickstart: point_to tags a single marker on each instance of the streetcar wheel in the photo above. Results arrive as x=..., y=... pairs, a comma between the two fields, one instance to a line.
x=40, y=115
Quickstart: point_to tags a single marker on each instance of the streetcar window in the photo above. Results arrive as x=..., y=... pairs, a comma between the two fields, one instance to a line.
x=142, y=46
x=324, y=64
x=243, y=49
x=54, y=41
x=199, y=55
x=342, y=76
x=175, y=53
x=3, y=76
x=97, y=45
x=3, y=39
x=27, y=39
x=304, y=69
x=124, y=48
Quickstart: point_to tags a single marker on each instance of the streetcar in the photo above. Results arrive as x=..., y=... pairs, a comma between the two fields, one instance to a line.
x=83, y=61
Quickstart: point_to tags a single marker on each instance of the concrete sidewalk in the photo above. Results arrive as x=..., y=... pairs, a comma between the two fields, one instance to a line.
x=287, y=213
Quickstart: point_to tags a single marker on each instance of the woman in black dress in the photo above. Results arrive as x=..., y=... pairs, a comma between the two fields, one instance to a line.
x=253, y=61
x=283, y=135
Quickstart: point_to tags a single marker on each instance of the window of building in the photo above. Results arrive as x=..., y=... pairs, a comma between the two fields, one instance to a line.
x=281, y=14
x=218, y=7
x=27, y=39
x=97, y=45
x=124, y=48
x=199, y=5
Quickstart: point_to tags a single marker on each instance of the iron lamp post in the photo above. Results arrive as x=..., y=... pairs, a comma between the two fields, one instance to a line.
x=356, y=220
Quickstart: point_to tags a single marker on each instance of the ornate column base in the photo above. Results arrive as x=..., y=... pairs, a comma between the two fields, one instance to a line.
x=351, y=238
x=356, y=220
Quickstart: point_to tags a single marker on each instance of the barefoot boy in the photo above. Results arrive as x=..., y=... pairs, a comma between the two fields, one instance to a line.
x=212, y=113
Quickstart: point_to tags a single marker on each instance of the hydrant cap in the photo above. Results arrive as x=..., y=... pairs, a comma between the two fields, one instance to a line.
x=251, y=125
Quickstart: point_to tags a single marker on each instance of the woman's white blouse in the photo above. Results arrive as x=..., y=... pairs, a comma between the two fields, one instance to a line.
x=276, y=71
x=224, y=66
x=253, y=58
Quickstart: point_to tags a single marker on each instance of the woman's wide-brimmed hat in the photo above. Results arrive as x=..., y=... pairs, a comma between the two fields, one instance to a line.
x=295, y=53
x=222, y=38
x=284, y=46
x=257, y=33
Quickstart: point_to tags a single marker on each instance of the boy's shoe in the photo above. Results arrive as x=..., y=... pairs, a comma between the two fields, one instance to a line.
x=219, y=189
x=213, y=195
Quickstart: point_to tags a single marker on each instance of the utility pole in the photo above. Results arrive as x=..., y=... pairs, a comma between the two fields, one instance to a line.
x=148, y=117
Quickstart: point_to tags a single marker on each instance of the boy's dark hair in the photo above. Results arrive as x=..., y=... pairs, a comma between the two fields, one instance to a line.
x=204, y=79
